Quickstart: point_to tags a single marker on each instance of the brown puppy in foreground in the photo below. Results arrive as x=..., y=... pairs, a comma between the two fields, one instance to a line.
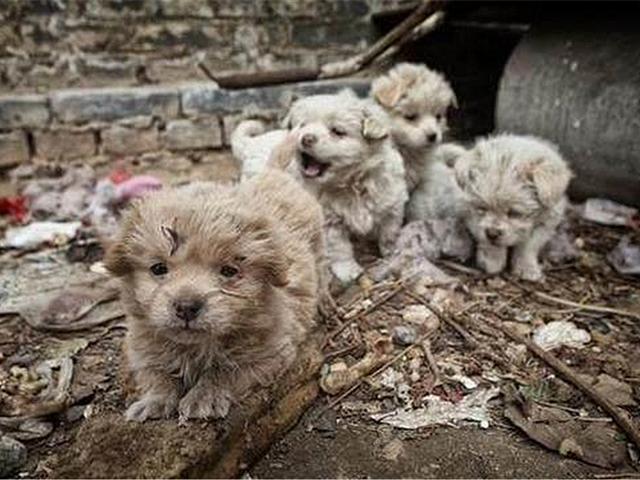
x=220, y=287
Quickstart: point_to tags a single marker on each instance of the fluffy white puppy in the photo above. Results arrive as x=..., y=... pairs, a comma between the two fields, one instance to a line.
x=509, y=190
x=340, y=150
x=416, y=100
x=252, y=146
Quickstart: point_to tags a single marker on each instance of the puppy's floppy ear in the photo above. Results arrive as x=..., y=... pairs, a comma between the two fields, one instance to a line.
x=116, y=259
x=267, y=253
x=549, y=177
x=464, y=171
x=373, y=126
x=387, y=92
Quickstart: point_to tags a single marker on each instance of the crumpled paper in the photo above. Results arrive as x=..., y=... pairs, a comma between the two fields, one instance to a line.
x=473, y=407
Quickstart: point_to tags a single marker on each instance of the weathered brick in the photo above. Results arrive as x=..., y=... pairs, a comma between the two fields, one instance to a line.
x=125, y=140
x=320, y=35
x=65, y=144
x=23, y=111
x=86, y=105
x=236, y=8
x=295, y=8
x=13, y=148
x=341, y=9
x=180, y=33
x=186, y=8
x=193, y=134
x=207, y=98
x=117, y=9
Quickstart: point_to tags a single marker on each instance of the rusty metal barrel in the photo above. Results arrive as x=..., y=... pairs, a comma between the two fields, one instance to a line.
x=578, y=85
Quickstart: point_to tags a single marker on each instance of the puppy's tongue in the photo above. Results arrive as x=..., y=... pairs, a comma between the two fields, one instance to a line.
x=312, y=169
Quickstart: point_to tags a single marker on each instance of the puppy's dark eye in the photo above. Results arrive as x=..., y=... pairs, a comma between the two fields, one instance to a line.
x=228, y=271
x=515, y=214
x=439, y=116
x=481, y=209
x=159, y=269
x=412, y=117
x=338, y=132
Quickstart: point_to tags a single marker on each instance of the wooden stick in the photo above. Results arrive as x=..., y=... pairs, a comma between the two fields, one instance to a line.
x=585, y=306
x=446, y=318
x=619, y=416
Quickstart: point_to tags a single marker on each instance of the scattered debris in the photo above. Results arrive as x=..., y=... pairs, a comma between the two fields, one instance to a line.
x=15, y=207
x=39, y=233
x=338, y=377
x=420, y=315
x=560, y=333
x=625, y=258
x=393, y=450
x=473, y=407
x=13, y=455
x=404, y=335
x=619, y=393
x=592, y=442
x=136, y=187
x=71, y=310
x=608, y=212
x=412, y=256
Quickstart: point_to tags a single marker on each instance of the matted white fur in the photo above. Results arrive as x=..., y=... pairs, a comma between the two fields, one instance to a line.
x=252, y=146
x=416, y=100
x=509, y=190
x=343, y=154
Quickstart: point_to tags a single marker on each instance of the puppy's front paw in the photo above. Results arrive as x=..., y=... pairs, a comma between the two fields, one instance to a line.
x=200, y=403
x=151, y=406
x=491, y=260
x=346, y=272
x=530, y=271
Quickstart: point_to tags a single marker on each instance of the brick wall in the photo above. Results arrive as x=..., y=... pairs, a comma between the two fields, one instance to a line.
x=104, y=123
x=49, y=44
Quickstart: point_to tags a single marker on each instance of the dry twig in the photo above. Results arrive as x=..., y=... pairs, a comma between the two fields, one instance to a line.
x=619, y=416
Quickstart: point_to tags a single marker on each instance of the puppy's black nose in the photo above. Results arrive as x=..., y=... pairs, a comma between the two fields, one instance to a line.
x=188, y=309
x=432, y=137
x=493, y=233
x=308, y=140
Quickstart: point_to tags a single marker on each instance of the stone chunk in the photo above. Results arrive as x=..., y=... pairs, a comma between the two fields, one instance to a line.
x=193, y=134
x=126, y=140
x=65, y=144
x=108, y=104
x=13, y=148
x=18, y=111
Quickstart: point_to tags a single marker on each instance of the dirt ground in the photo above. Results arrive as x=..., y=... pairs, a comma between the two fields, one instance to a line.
x=338, y=436
x=359, y=449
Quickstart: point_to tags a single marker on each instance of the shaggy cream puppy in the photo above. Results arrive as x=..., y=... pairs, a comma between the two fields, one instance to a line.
x=339, y=149
x=219, y=288
x=252, y=145
x=416, y=100
x=510, y=192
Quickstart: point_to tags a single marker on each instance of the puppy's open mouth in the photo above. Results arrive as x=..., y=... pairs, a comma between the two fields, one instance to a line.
x=311, y=167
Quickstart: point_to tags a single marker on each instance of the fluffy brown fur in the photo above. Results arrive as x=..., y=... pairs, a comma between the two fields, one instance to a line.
x=219, y=288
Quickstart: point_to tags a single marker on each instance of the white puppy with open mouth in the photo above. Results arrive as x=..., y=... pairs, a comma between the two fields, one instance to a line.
x=340, y=149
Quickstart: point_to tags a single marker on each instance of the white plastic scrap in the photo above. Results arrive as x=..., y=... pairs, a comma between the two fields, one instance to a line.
x=473, y=407
x=625, y=258
x=607, y=212
x=560, y=333
x=38, y=233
